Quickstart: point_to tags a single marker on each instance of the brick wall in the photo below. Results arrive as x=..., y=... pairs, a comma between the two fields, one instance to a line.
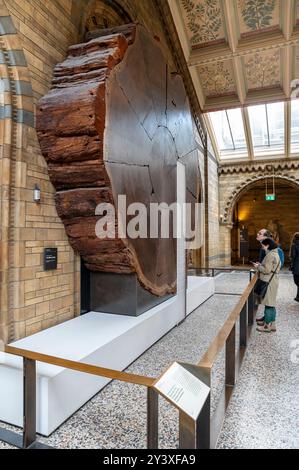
x=34, y=36
x=213, y=211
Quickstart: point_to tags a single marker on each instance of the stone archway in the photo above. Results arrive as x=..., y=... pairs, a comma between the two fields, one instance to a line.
x=15, y=111
x=226, y=224
x=251, y=181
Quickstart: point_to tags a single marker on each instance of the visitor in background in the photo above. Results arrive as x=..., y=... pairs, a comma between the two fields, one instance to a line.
x=262, y=235
x=269, y=269
x=294, y=256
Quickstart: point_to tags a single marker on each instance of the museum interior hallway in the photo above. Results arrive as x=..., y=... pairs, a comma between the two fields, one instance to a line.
x=148, y=148
x=263, y=412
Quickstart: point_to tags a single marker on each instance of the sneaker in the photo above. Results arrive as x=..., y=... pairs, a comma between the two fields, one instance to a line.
x=260, y=320
x=273, y=326
x=266, y=328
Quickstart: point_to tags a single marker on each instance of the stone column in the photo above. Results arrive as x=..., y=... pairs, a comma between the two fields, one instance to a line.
x=225, y=243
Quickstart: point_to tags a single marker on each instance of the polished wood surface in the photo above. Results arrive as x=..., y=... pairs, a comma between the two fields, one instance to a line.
x=81, y=367
x=208, y=359
x=116, y=122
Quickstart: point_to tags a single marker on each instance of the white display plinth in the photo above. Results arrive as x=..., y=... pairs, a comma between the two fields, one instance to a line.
x=198, y=291
x=111, y=341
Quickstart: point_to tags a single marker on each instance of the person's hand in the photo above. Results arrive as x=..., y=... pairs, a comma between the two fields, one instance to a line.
x=256, y=265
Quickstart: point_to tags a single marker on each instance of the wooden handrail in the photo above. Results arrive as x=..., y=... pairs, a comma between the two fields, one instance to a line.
x=81, y=367
x=208, y=359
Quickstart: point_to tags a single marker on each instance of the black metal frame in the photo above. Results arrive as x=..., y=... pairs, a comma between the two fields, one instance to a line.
x=28, y=440
x=152, y=419
x=211, y=272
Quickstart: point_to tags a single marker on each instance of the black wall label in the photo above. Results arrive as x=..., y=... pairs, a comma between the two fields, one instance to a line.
x=50, y=259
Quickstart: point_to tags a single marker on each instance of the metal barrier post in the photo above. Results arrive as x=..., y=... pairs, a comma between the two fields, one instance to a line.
x=152, y=419
x=203, y=426
x=244, y=326
x=196, y=434
x=251, y=299
x=187, y=431
x=230, y=358
x=29, y=433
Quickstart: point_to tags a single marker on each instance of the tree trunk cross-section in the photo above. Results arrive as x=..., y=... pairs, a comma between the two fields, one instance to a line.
x=116, y=122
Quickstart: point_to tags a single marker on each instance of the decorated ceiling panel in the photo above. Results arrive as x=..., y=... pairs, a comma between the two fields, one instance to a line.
x=236, y=49
x=203, y=22
x=256, y=16
x=262, y=70
x=217, y=79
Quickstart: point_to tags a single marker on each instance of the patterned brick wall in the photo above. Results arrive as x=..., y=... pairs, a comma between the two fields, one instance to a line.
x=31, y=299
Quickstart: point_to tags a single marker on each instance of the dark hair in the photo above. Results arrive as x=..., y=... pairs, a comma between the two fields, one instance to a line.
x=270, y=242
x=295, y=241
x=268, y=234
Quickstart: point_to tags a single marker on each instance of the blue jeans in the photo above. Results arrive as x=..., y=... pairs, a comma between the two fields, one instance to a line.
x=270, y=314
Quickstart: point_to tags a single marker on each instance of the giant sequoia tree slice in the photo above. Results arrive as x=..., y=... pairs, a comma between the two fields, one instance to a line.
x=116, y=122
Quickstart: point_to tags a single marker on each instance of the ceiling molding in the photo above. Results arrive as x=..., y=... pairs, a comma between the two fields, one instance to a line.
x=253, y=167
x=224, y=40
x=196, y=60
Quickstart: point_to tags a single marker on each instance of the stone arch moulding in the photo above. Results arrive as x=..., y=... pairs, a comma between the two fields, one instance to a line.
x=241, y=189
x=102, y=14
x=14, y=113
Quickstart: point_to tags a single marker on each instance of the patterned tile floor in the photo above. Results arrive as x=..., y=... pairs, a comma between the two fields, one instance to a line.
x=264, y=408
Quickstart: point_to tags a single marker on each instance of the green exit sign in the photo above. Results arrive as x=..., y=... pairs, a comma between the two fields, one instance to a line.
x=270, y=197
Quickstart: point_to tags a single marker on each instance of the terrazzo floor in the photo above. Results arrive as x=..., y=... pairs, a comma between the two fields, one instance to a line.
x=264, y=409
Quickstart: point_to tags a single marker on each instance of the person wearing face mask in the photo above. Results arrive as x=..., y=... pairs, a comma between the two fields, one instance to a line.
x=268, y=272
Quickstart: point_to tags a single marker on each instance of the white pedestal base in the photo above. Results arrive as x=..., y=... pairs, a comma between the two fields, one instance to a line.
x=198, y=291
x=111, y=341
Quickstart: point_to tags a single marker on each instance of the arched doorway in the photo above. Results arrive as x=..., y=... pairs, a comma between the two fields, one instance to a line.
x=252, y=211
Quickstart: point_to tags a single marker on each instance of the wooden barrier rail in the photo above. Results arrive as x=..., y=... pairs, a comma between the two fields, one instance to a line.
x=81, y=367
x=219, y=342
x=201, y=434
x=29, y=440
x=205, y=432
